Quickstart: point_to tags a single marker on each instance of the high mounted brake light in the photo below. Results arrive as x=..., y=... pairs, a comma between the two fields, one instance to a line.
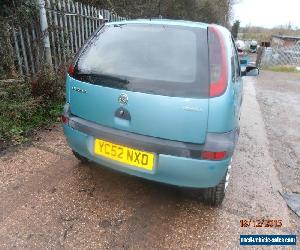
x=217, y=62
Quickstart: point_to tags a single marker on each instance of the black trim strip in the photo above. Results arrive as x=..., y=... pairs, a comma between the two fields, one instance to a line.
x=215, y=142
x=142, y=142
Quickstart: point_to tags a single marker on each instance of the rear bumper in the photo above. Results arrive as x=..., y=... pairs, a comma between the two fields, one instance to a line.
x=175, y=170
x=214, y=142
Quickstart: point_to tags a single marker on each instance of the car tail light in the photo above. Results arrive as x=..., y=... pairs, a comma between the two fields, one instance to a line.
x=71, y=70
x=64, y=119
x=215, y=156
x=217, y=61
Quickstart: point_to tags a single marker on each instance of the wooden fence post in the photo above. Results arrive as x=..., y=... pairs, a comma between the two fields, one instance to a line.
x=45, y=33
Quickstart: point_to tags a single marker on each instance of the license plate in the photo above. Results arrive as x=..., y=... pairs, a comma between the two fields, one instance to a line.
x=130, y=156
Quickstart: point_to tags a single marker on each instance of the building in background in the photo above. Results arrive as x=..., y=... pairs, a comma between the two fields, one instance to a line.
x=283, y=40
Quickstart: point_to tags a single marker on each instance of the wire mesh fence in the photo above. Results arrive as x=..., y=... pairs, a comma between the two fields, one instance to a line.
x=282, y=56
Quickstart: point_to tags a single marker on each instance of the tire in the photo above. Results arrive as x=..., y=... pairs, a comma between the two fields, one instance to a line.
x=79, y=157
x=214, y=196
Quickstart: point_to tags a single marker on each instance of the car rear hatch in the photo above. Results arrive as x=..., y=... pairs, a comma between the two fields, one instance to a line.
x=147, y=79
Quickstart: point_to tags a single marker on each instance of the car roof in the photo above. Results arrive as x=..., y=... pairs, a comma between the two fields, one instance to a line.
x=183, y=23
x=163, y=22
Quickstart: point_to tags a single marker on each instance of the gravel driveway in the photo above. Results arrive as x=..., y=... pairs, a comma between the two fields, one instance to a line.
x=51, y=201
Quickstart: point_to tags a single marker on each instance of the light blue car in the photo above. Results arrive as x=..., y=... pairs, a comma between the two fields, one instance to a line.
x=158, y=99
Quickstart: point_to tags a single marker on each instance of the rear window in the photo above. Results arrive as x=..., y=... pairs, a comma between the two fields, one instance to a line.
x=157, y=59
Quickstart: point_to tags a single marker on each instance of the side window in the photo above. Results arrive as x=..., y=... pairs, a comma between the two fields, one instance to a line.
x=237, y=67
x=232, y=59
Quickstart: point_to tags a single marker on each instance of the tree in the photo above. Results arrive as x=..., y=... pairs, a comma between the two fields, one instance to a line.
x=209, y=11
x=235, y=29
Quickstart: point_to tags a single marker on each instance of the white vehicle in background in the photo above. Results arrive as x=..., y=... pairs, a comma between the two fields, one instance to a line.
x=253, y=46
x=241, y=46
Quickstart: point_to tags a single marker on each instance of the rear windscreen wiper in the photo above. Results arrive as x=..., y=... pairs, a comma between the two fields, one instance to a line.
x=104, y=80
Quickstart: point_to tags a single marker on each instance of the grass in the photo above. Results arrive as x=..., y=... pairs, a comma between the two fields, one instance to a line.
x=17, y=125
x=282, y=69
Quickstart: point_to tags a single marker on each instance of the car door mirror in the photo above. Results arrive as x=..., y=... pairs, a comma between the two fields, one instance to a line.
x=250, y=71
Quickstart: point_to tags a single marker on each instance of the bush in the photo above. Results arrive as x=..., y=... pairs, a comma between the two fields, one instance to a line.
x=29, y=105
x=280, y=68
x=49, y=85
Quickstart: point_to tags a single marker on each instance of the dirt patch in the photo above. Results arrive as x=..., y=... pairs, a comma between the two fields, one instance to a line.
x=279, y=99
x=51, y=201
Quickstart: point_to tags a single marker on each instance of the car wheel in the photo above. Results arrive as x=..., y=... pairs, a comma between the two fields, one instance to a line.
x=80, y=157
x=215, y=195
